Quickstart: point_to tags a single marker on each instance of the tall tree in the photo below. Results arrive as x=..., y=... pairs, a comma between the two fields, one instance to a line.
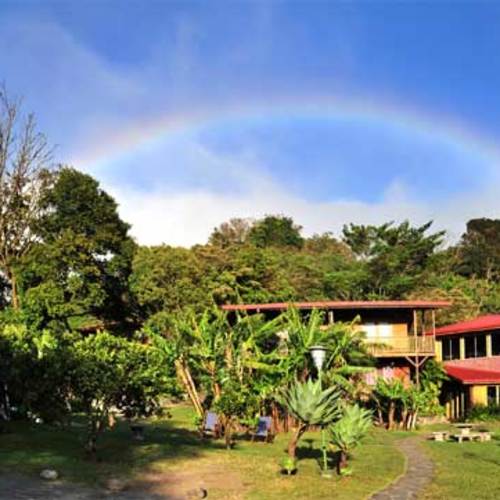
x=276, y=230
x=81, y=262
x=395, y=256
x=25, y=175
x=479, y=249
x=233, y=232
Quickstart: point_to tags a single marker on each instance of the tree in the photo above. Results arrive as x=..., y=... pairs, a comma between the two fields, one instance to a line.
x=276, y=230
x=80, y=264
x=168, y=279
x=310, y=405
x=388, y=394
x=112, y=372
x=479, y=249
x=349, y=430
x=395, y=256
x=25, y=176
x=231, y=233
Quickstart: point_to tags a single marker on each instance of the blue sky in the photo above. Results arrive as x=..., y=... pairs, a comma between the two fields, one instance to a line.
x=328, y=111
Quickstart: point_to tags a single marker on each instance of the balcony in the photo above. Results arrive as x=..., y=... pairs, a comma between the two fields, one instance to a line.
x=401, y=346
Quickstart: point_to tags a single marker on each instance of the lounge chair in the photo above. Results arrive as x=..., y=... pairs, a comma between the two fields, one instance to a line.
x=211, y=426
x=264, y=430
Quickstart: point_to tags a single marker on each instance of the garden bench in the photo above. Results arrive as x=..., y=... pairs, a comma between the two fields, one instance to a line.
x=440, y=436
x=470, y=436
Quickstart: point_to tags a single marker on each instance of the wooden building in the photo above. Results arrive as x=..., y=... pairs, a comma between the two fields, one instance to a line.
x=395, y=330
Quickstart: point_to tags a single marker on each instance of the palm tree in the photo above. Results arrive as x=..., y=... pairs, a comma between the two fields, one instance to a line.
x=310, y=405
x=348, y=431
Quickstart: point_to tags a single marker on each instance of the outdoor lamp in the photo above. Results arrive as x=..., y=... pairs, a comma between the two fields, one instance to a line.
x=318, y=354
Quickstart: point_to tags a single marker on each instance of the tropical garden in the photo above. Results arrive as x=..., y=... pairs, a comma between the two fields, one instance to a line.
x=112, y=354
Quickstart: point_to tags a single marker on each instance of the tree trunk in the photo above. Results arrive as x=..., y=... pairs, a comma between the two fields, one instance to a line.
x=5, y=402
x=404, y=418
x=228, y=430
x=380, y=416
x=390, y=415
x=187, y=381
x=414, y=420
x=15, y=295
x=342, y=463
x=292, y=445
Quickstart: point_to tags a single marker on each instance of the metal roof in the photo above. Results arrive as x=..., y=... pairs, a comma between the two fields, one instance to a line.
x=473, y=375
x=339, y=305
x=480, y=324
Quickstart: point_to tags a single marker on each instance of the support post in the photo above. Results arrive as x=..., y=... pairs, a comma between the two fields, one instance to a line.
x=415, y=331
x=331, y=318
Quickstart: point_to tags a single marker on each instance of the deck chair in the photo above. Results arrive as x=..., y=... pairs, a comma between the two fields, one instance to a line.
x=264, y=430
x=211, y=426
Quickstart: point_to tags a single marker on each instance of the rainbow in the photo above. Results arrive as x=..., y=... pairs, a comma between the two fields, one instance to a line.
x=148, y=133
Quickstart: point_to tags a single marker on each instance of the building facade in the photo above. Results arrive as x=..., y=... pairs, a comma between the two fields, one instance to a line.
x=395, y=330
x=470, y=351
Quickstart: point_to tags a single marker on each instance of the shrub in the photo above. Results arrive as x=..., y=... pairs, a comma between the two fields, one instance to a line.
x=484, y=413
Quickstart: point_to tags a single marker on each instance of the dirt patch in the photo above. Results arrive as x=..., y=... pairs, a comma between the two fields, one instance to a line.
x=216, y=479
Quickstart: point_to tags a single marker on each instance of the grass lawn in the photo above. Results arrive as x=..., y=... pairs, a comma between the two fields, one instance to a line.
x=173, y=452
x=467, y=470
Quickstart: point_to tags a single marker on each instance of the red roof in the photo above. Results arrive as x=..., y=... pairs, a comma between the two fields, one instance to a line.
x=336, y=304
x=473, y=375
x=483, y=323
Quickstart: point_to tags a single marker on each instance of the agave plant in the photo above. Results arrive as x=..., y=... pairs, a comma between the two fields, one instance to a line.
x=348, y=431
x=308, y=403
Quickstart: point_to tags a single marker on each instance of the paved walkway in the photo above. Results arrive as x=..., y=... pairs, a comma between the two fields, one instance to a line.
x=419, y=471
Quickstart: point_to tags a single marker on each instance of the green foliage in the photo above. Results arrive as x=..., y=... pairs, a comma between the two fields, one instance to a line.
x=112, y=372
x=483, y=413
x=480, y=249
x=431, y=380
x=310, y=404
x=276, y=230
x=81, y=261
x=236, y=401
x=346, y=351
x=351, y=428
x=396, y=256
x=35, y=372
x=167, y=279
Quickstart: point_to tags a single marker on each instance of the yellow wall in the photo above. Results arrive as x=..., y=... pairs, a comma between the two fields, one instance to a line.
x=479, y=395
x=439, y=350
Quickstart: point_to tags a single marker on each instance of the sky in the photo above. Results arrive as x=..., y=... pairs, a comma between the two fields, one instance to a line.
x=190, y=113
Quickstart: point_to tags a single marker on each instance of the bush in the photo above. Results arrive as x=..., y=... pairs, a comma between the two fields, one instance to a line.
x=484, y=413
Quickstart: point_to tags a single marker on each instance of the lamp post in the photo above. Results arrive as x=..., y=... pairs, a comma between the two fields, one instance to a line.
x=318, y=354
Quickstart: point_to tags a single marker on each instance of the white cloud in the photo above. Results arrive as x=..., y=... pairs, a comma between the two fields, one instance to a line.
x=188, y=216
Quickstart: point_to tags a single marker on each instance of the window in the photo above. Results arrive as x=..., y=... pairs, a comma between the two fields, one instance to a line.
x=451, y=348
x=495, y=343
x=475, y=346
x=493, y=395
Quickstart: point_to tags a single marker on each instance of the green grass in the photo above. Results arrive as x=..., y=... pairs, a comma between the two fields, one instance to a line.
x=251, y=470
x=467, y=470
x=172, y=445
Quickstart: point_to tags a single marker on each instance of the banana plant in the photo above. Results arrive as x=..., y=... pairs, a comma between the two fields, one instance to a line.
x=346, y=350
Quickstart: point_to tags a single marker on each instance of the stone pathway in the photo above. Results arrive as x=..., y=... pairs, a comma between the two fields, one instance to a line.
x=419, y=471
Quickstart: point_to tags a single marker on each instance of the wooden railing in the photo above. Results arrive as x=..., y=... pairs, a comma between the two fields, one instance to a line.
x=402, y=346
